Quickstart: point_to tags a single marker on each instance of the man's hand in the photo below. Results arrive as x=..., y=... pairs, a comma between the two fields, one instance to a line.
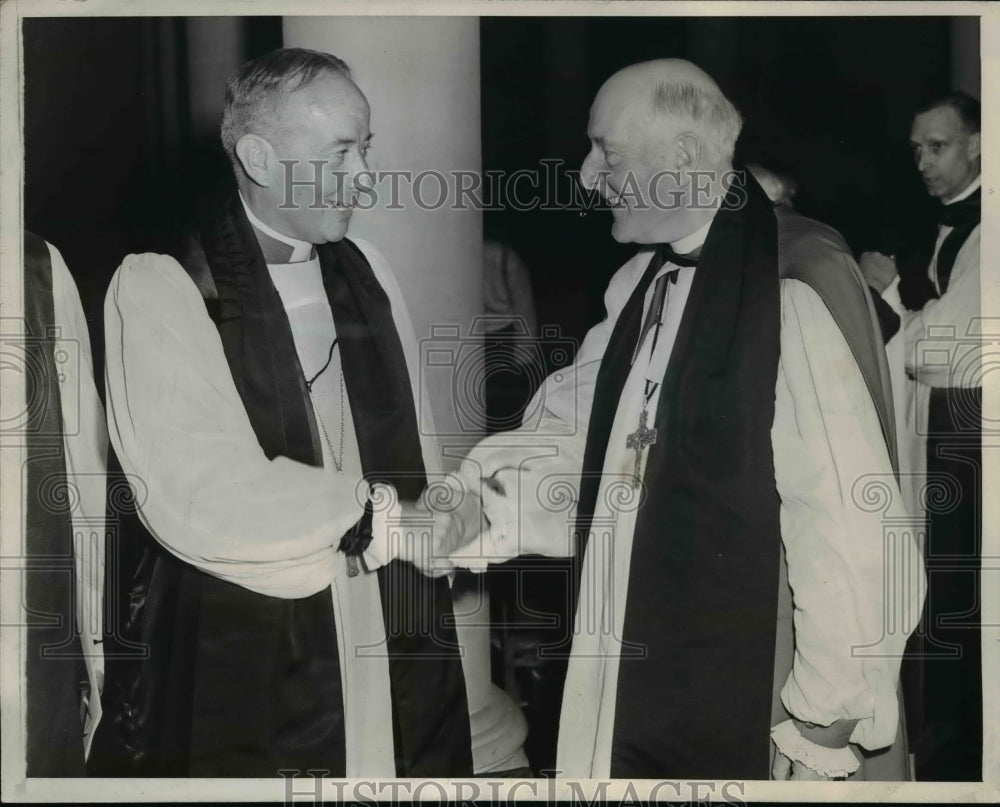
x=457, y=512
x=420, y=537
x=446, y=516
x=879, y=270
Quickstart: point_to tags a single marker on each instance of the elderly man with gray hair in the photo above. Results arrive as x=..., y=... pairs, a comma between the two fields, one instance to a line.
x=709, y=460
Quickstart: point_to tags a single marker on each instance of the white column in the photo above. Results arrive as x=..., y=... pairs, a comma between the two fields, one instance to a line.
x=421, y=77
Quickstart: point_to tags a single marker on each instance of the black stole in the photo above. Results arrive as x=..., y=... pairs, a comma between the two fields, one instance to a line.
x=53, y=660
x=430, y=713
x=915, y=286
x=702, y=597
x=242, y=684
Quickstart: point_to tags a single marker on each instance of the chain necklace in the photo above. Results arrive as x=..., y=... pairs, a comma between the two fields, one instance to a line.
x=644, y=437
x=338, y=460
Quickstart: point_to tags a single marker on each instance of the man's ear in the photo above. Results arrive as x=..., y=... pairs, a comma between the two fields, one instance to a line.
x=974, y=145
x=689, y=152
x=257, y=158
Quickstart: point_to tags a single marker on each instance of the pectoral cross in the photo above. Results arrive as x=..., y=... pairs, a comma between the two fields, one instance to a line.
x=637, y=441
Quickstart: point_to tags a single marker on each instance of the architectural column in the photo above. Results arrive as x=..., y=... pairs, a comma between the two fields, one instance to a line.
x=421, y=77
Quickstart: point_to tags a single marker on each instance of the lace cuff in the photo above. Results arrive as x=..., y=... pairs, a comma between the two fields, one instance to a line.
x=831, y=762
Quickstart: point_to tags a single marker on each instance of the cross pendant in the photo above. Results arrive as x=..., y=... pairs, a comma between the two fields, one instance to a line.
x=637, y=441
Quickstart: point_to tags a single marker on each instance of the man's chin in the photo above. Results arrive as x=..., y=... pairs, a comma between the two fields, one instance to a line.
x=621, y=232
x=334, y=232
x=624, y=234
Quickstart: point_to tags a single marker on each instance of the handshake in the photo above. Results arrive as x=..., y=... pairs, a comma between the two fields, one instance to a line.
x=446, y=517
x=469, y=520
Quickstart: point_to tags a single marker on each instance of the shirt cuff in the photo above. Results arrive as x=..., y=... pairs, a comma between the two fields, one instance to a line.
x=891, y=295
x=387, y=513
x=491, y=545
x=830, y=762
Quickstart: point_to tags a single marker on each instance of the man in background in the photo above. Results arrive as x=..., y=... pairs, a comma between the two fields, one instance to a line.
x=928, y=301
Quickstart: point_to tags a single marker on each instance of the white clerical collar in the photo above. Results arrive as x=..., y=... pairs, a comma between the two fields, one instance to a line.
x=973, y=186
x=301, y=250
x=689, y=243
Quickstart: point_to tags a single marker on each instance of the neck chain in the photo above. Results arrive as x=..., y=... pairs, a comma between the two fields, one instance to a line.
x=644, y=436
x=338, y=457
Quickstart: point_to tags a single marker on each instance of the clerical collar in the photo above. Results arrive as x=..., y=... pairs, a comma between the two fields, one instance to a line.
x=689, y=243
x=973, y=187
x=301, y=250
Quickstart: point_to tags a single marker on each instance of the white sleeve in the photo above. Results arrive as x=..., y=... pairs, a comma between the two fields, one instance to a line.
x=849, y=575
x=941, y=345
x=85, y=437
x=204, y=486
x=529, y=477
x=944, y=339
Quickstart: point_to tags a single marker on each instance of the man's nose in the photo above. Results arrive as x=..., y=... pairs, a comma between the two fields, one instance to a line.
x=588, y=172
x=354, y=166
x=923, y=163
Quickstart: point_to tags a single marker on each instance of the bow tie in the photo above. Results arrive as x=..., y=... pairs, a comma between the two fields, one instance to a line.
x=667, y=254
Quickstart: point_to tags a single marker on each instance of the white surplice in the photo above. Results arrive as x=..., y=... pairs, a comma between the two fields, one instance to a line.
x=85, y=439
x=210, y=495
x=941, y=345
x=827, y=444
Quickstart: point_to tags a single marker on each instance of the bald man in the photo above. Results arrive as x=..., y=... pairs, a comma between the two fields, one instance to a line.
x=709, y=458
x=261, y=400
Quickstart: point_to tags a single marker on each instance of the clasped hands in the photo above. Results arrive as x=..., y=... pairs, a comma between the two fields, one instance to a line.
x=446, y=517
x=451, y=524
x=878, y=270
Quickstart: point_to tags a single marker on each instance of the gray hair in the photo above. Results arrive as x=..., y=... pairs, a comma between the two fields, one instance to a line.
x=708, y=109
x=255, y=92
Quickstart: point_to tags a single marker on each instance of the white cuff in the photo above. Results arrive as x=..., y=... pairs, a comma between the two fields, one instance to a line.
x=891, y=295
x=830, y=762
x=386, y=511
x=491, y=545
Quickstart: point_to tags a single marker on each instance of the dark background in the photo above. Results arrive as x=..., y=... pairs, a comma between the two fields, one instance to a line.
x=110, y=151
x=112, y=155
